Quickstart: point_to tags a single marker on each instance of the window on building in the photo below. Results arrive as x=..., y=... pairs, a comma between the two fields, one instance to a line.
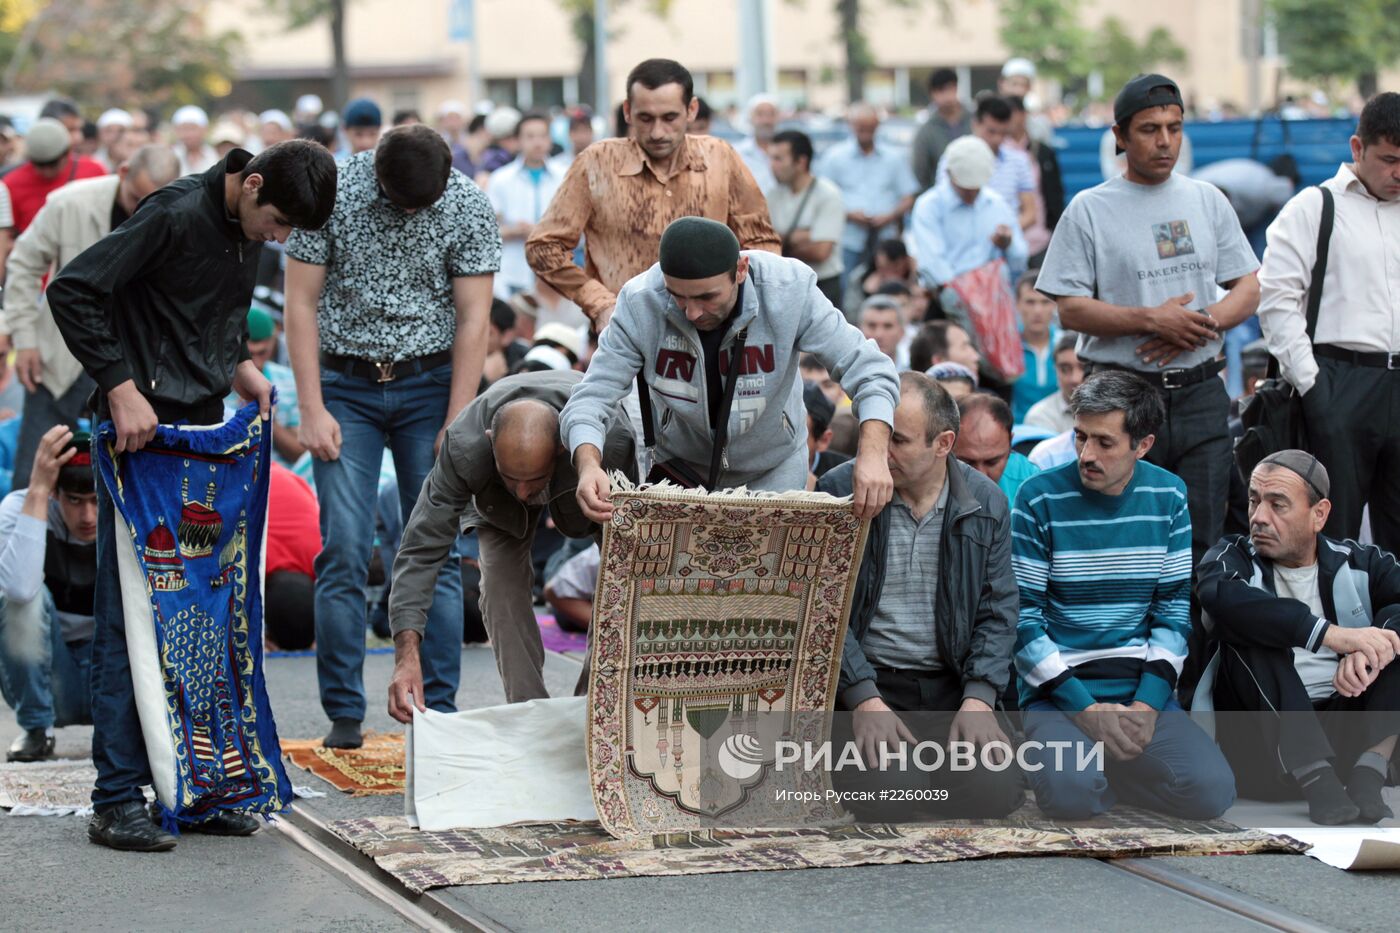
x=792, y=88
x=501, y=91
x=720, y=90
x=403, y=98
x=879, y=87
x=984, y=78
x=547, y=93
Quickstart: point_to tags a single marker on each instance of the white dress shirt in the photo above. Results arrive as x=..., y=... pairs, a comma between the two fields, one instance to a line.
x=1360, y=308
x=518, y=197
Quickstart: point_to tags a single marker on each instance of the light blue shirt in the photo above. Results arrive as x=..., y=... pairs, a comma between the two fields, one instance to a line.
x=951, y=237
x=870, y=182
x=1011, y=178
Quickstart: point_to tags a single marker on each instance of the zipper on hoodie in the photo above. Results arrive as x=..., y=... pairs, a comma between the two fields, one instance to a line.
x=705, y=386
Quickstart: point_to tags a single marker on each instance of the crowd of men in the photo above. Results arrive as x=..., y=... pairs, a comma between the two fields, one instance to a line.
x=473, y=331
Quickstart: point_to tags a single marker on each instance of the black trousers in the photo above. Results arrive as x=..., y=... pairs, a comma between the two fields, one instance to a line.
x=831, y=288
x=933, y=698
x=1292, y=730
x=1353, y=418
x=1194, y=443
x=289, y=605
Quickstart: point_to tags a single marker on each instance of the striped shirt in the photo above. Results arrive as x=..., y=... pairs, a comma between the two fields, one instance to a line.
x=901, y=633
x=1105, y=588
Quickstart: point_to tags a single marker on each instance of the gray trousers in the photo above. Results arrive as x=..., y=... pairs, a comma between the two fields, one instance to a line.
x=507, y=582
x=41, y=412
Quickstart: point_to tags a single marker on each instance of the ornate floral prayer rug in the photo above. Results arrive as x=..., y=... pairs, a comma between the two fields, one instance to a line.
x=191, y=512
x=377, y=767
x=717, y=618
x=583, y=851
x=47, y=788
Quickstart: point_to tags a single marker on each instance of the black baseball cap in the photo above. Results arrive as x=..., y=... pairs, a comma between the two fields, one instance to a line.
x=1143, y=92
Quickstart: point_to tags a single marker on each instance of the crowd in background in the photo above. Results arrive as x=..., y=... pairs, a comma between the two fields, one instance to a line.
x=888, y=231
x=958, y=258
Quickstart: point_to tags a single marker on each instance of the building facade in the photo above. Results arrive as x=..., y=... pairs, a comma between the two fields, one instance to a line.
x=403, y=53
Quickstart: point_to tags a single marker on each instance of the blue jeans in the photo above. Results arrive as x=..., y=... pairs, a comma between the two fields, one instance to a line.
x=118, y=747
x=42, y=677
x=1182, y=773
x=407, y=414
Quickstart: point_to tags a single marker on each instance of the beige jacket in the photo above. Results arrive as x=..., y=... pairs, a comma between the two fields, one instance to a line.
x=73, y=218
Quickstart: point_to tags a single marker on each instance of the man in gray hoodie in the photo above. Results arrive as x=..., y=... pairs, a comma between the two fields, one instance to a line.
x=679, y=324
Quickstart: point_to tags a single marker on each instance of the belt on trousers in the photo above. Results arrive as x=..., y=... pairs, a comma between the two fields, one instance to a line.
x=1167, y=378
x=386, y=371
x=1377, y=360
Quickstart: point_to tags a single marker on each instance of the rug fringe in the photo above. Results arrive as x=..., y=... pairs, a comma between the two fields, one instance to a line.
x=668, y=489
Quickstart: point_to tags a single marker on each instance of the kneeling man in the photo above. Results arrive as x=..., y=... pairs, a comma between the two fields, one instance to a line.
x=1102, y=552
x=1306, y=624
x=48, y=565
x=933, y=617
x=500, y=465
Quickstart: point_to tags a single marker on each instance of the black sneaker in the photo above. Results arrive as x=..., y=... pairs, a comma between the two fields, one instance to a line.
x=33, y=745
x=128, y=826
x=226, y=823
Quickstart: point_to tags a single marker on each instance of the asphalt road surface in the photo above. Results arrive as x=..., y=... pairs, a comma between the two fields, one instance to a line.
x=291, y=879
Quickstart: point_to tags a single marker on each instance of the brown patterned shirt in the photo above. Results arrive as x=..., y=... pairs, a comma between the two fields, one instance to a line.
x=620, y=203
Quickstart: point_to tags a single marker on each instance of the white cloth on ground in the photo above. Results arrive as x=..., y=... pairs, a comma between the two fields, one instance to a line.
x=518, y=762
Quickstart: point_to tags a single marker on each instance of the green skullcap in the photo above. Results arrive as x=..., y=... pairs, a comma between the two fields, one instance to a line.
x=698, y=248
x=260, y=324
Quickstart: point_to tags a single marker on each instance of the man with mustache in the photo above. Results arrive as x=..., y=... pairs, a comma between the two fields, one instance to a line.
x=1306, y=624
x=500, y=465
x=1101, y=548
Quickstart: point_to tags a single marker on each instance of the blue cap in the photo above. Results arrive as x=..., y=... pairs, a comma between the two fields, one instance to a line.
x=362, y=112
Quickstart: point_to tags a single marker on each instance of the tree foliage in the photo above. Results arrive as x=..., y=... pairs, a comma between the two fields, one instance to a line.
x=298, y=14
x=1347, y=39
x=106, y=52
x=850, y=32
x=1118, y=56
x=1049, y=33
x=584, y=28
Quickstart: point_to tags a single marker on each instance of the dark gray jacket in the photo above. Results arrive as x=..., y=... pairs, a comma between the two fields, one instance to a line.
x=976, y=608
x=464, y=488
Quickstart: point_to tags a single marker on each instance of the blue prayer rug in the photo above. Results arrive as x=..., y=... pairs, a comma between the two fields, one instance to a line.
x=191, y=514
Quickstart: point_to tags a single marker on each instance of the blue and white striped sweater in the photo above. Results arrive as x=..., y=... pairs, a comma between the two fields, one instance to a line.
x=1105, y=588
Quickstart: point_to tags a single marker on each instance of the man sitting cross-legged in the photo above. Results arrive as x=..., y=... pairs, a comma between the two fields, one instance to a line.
x=1305, y=623
x=1102, y=552
x=932, y=618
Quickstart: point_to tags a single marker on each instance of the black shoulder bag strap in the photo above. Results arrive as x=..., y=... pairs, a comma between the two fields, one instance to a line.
x=797, y=217
x=1319, y=271
x=736, y=362
x=644, y=403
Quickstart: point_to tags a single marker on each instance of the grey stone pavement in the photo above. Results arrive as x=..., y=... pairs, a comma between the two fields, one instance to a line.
x=51, y=878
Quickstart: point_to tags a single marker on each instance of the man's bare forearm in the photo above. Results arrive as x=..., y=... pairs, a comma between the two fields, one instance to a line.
x=1239, y=303
x=1101, y=319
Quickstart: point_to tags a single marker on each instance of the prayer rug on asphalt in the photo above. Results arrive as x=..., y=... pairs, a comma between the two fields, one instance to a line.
x=191, y=515
x=47, y=788
x=717, y=618
x=377, y=767
x=583, y=851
